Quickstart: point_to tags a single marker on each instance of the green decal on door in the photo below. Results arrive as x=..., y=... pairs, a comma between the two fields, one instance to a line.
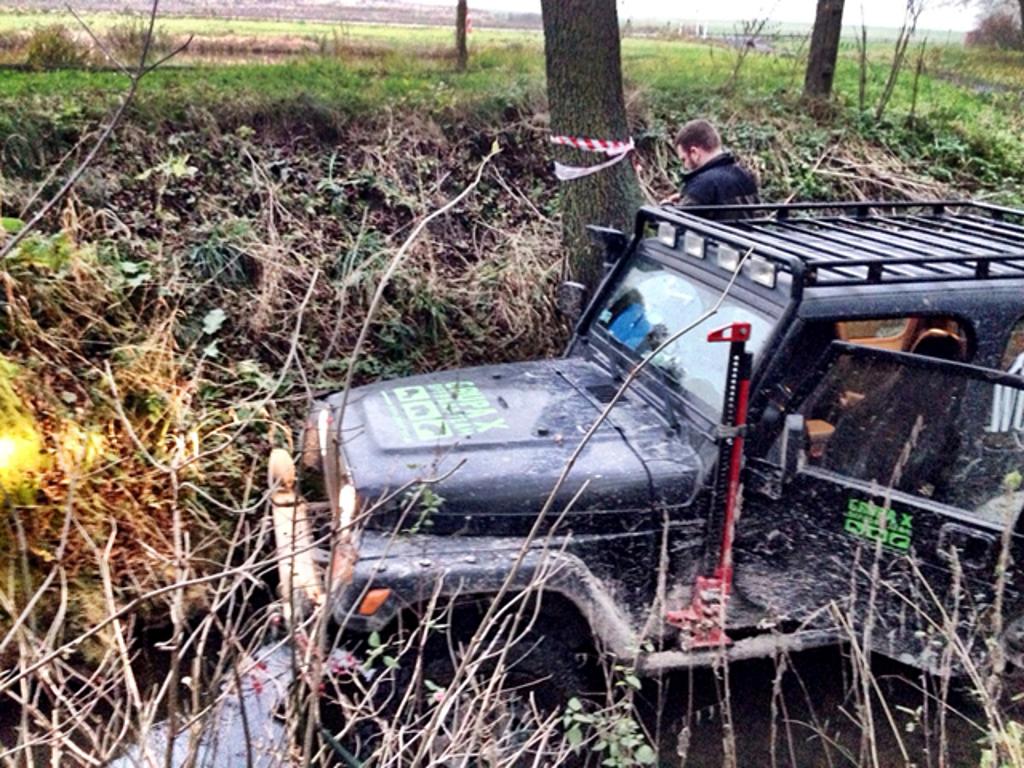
x=429, y=412
x=869, y=521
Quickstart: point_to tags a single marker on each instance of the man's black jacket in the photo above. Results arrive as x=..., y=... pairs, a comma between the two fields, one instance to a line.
x=720, y=181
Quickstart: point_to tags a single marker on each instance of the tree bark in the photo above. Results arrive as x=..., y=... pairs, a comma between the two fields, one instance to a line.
x=461, y=53
x=821, y=60
x=584, y=83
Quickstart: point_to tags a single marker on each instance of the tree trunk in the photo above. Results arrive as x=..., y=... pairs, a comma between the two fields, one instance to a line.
x=584, y=81
x=821, y=60
x=461, y=54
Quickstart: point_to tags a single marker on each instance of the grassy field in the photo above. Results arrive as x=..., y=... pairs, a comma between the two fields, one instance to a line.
x=212, y=27
x=371, y=62
x=220, y=25
x=960, y=121
x=979, y=69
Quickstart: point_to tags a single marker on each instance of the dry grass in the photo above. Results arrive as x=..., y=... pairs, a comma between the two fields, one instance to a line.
x=145, y=512
x=109, y=341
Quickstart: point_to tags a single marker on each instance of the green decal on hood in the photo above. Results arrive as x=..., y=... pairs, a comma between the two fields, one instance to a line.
x=424, y=413
x=874, y=523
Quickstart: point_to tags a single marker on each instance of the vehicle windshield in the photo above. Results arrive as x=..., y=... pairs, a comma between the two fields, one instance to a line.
x=653, y=303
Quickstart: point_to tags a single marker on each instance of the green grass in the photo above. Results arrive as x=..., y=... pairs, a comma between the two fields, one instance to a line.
x=686, y=71
x=375, y=66
x=349, y=85
x=958, y=132
x=978, y=67
x=667, y=69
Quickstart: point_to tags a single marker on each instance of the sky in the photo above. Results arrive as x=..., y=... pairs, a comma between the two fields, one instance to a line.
x=939, y=15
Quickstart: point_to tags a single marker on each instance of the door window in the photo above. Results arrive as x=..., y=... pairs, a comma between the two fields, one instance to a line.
x=1013, y=356
x=912, y=467
x=887, y=333
x=921, y=427
x=1007, y=406
x=934, y=336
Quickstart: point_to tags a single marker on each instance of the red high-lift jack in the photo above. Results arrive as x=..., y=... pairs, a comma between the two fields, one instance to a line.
x=703, y=621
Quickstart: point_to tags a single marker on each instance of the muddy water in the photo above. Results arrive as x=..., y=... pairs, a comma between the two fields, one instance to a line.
x=813, y=720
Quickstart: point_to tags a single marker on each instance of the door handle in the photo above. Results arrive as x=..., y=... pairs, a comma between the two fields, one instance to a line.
x=974, y=549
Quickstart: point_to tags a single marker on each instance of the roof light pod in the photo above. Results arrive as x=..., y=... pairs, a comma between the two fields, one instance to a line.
x=728, y=258
x=693, y=244
x=760, y=271
x=667, y=234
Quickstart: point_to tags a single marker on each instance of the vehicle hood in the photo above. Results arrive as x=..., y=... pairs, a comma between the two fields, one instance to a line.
x=492, y=442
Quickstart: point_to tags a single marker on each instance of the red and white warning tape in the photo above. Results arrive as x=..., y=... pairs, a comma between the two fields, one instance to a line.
x=616, y=151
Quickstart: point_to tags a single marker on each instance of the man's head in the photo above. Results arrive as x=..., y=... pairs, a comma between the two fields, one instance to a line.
x=696, y=143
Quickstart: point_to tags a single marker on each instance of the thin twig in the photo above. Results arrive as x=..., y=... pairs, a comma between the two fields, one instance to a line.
x=99, y=43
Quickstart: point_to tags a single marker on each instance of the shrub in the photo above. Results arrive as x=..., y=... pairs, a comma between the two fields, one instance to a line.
x=11, y=41
x=999, y=29
x=126, y=40
x=54, y=47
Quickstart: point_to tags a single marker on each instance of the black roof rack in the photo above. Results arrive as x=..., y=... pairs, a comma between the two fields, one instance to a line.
x=864, y=243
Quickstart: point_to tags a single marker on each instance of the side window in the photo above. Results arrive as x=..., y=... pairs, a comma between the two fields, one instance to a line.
x=942, y=337
x=1008, y=405
x=886, y=333
x=926, y=431
x=1013, y=356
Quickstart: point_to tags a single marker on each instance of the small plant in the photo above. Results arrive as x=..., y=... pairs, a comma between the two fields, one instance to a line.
x=336, y=44
x=220, y=257
x=44, y=255
x=428, y=502
x=911, y=15
x=747, y=33
x=54, y=47
x=1007, y=751
x=612, y=732
x=380, y=649
x=127, y=40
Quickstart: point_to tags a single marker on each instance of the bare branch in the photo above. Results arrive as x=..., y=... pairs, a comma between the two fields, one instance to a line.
x=99, y=43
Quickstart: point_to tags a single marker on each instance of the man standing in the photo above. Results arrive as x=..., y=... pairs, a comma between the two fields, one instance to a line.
x=713, y=177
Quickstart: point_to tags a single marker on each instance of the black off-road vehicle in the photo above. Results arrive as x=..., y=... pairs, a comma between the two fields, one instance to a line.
x=856, y=449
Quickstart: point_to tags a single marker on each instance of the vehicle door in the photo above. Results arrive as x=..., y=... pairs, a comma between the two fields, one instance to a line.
x=898, y=524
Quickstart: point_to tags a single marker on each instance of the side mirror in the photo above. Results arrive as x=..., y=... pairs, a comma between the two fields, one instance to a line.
x=794, y=445
x=613, y=241
x=570, y=299
x=770, y=417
